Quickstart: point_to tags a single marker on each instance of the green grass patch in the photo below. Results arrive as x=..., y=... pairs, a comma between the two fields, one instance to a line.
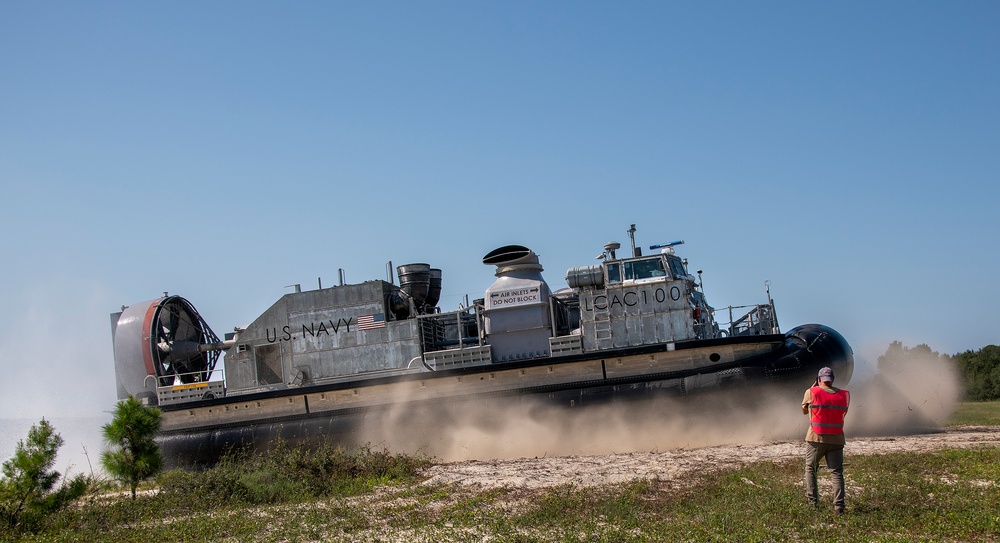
x=290, y=474
x=947, y=495
x=241, y=498
x=976, y=414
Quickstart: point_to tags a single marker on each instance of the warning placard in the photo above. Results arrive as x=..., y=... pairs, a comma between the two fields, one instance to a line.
x=515, y=297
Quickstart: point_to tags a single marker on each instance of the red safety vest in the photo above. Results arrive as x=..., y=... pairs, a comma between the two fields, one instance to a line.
x=827, y=411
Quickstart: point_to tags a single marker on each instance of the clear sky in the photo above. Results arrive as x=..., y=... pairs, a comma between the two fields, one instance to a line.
x=847, y=152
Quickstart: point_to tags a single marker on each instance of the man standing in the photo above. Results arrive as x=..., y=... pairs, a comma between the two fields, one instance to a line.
x=826, y=407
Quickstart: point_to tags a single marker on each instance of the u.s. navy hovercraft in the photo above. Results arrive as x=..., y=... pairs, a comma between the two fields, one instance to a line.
x=317, y=362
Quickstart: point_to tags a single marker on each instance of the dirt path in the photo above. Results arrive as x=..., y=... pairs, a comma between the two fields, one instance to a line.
x=675, y=464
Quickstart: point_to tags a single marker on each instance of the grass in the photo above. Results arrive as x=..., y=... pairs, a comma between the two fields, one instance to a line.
x=333, y=495
x=976, y=414
x=941, y=496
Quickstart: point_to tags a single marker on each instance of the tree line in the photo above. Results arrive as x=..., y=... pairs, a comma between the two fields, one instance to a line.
x=979, y=370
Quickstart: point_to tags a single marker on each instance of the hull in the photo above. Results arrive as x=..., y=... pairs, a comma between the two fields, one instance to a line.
x=197, y=433
x=334, y=363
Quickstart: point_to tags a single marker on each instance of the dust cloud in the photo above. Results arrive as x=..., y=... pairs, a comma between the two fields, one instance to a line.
x=913, y=394
x=56, y=355
x=915, y=397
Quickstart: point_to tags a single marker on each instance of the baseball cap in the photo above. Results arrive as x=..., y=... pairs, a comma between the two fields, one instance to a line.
x=826, y=375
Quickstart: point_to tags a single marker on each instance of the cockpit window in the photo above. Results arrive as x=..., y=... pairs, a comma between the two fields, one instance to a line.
x=614, y=272
x=644, y=269
x=676, y=266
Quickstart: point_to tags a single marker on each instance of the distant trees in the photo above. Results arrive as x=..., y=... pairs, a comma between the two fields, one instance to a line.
x=981, y=370
x=133, y=455
x=898, y=358
x=28, y=492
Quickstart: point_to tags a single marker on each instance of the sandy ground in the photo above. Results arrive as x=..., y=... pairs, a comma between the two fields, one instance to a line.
x=673, y=465
x=900, y=408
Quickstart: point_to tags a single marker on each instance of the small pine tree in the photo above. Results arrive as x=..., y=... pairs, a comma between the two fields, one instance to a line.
x=133, y=455
x=26, y=490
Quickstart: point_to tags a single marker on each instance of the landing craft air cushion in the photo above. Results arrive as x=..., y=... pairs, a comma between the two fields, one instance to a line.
x=317, y=363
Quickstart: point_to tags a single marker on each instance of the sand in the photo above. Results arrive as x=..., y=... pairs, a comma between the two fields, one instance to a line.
x=674, y=465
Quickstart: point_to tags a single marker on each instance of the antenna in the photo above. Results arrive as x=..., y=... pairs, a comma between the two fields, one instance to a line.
x=631, y=236
x=610, y=248
x=666, y=245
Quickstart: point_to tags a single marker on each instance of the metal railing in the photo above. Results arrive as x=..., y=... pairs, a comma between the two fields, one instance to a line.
x=759, y=320
x=197, y=389
x=451, y=330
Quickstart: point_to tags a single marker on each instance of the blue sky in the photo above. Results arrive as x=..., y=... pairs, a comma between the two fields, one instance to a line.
x=846, y=152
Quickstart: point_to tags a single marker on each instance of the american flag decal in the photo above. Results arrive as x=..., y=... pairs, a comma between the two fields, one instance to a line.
x=371, y=322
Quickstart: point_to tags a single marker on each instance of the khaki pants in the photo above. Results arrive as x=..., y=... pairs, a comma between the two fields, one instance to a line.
x=834, y=455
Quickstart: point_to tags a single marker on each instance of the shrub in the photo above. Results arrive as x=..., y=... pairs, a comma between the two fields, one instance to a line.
x=287, y=474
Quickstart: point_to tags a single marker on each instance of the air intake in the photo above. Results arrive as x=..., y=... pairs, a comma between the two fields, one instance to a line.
x=517, y=316
x=512, y=258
